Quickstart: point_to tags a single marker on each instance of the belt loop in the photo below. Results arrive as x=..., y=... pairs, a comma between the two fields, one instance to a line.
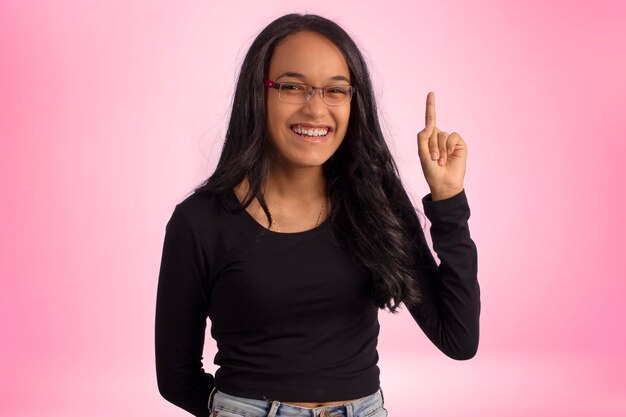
x=211, y=395
x=273, y=409
x=349, y=410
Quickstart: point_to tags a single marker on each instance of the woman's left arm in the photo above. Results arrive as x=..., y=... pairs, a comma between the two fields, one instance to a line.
x=449, y=313
x=450, y=310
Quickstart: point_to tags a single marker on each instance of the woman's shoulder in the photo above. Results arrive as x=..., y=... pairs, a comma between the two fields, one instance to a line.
x=201, y=207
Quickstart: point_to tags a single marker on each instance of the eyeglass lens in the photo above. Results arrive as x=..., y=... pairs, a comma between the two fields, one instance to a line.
x=299, y=93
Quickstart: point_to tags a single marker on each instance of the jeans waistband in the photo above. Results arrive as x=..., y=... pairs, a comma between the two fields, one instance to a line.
x=269, y=408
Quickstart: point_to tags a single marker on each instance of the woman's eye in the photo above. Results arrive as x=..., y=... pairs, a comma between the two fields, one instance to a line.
x=337, y=90
x=291, y=87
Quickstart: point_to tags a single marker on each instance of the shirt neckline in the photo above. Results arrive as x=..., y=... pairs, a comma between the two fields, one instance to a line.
x=248, y=218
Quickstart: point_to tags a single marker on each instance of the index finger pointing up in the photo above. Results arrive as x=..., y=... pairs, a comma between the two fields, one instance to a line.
x=431, y=118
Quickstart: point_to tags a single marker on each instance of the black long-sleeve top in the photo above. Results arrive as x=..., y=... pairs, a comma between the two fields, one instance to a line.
x=291, y=313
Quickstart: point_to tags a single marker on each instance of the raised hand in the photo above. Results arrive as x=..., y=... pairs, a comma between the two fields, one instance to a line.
x=443, y=156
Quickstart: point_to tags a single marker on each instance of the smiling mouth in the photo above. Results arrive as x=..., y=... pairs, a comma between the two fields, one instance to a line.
x=310, y=131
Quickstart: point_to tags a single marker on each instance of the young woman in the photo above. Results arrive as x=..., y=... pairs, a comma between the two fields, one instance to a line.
x=303, y=232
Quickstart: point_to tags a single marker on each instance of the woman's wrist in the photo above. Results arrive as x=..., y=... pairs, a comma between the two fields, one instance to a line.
x=442, y=194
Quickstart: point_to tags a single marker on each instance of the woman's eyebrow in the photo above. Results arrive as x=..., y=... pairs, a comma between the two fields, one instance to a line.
x=340, y=78
x=290, y=74
x=302, y=77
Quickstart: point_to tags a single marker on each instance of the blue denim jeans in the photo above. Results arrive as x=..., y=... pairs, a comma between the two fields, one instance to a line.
x=226, y=405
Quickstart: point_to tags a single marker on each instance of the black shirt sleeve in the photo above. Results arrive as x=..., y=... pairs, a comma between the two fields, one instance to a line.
x=182, y=307
x=449, y=313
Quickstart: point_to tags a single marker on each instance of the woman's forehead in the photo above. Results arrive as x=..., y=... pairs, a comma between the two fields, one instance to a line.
x=307, y=56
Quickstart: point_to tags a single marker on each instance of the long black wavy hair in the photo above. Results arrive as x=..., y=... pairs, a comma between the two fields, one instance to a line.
x=369, y=204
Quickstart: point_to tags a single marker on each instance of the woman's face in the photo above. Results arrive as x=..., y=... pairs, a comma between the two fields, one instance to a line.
x=319, y=63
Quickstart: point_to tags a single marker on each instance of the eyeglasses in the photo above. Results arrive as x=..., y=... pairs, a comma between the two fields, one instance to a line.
x=300, y=93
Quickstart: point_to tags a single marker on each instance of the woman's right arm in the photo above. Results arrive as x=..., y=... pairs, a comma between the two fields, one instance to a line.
x=182, y=307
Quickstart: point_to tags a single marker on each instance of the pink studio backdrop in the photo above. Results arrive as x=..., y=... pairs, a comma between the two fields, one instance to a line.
x=111, y=112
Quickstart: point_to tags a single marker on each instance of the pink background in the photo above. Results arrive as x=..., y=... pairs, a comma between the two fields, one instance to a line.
x=111, y=112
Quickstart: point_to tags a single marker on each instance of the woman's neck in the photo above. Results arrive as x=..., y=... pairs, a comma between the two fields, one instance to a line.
x=288, y=183
x=294, y=197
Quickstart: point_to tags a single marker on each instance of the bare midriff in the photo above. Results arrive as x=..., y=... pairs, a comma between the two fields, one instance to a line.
x=314, y=405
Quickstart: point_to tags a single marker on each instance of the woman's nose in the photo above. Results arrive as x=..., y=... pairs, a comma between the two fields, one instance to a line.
x=316, y=105
x=314, y=92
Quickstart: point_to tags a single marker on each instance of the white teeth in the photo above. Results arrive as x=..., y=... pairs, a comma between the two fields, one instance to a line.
x=309, y=132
